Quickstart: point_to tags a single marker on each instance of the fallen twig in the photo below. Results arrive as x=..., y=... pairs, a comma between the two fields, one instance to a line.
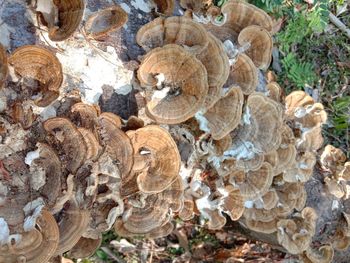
x=339, y=24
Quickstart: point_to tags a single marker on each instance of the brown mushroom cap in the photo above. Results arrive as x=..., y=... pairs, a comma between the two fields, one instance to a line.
x=323, y=254
x=217, y=65
x=310, y=115
x=268, y=227
x=225, y=115
x=260, y=49
x=85, y=247
x=3, y=65
x=92, y=145
x=70, y=14
x=194, y=5
x=164, y=166
x=105, y=21
x=117, y=143
x=165, y=7
x=233, y=203
x=85, y=115
x=302, y=169
x=70, y=141
x=36, y=246
x=274, y=91
x=186, y=213
x=244, y=74
x=241, y=14
x=41, y=65
x=178, y=30
x=185, y=77
x=162, y=231
x=72, y=225
x=331, y=157
x=295, y=100
x=253, y=184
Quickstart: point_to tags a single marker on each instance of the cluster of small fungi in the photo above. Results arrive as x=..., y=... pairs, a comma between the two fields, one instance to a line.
x=214, y=139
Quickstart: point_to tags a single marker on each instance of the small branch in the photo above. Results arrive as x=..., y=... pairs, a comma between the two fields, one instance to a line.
x=339, y=24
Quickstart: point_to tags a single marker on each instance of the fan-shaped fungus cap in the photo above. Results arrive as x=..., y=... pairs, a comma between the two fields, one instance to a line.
x=295, y=235
x=85, y=115
x=92, y=145
x=164, y=158
x=35, y=246
x=260, y=132
x=302, y=169
x=260, y=45
x=274, y=91
x=331, y=157
x=85, y=247
x=253, y=184
x=334, y=187
x=295, y=100
x=3, y=65
x=70, y=14
x=217, y=65
x=194, y=5
x=240, y=14
x=270, y=199
x=323, y=254
x=310, y=115
x=105, y=21
x=72, y=225
x=233, y=203
x=70, y=140
x=117, y=143
x=244, y=74
x=173, y=30
x=50, y=163
x=174, y=194
x=42, y=66
x=165, y=7
x=186, y=213
x=185, y=84
x=225, y=115
x=142, y=220
x=134, y=123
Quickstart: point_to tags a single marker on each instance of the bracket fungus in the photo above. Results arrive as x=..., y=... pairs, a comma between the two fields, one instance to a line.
x=62, y=18
x=105, y=21
x=3, y=65
x=41, y=72
x=165, y=7
x=184, y=84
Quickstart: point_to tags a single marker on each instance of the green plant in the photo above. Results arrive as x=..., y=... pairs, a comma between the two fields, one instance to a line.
x=318, y=16
x=300, y=73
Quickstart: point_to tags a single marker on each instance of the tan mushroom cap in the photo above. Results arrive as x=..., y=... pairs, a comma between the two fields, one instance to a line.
x=165, y=158
x=331, y=157
x=225, y=115
x=250, y=164
x=244, y=74
x=93, y=147
x=104, y=21
x=263, y=129
x=35, y=246
x=73, y=224
x=162, y=231
x=323, y=254
x=187, y=211
x=39, y=64
x=217, y=65
x=253, y=184
x=311, y=140
x=274, y=91
x=185, y=80
x=165, y=7
x=3, y=65
x=174, y=194
x=295, y=100
x=268, y=227
x=70, y=14
x=117, y=143
x=260, y=49
x=286, y=158
x=143, y=220
x=270, y=199
x=233, y=203
x=240, y=14
x=216, y=220
x=222, y=145
x=85, y=247
x=296, y=234
x=311, y=115
x=345, y=172
x=302, y=169
x=85, y=115
x=134, y=123
x=178, y=30
x=49, y=161
x=334, y=187
x=340, y=240
x=69, y=139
